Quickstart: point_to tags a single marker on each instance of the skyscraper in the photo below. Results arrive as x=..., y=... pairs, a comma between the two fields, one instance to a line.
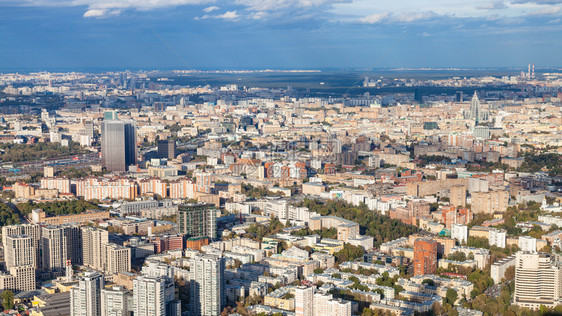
x=115, y=301
x=425, y=256
x=85, y=298
x=117, y=259
x=74, y=243
x=19, y=251
x=166, y=149
x=31, y=230
x=53, y=248
x=155, y=296
x=207, y=287
x=93, y=247
x=118, y=145
x=304, y=301
x=475, y=108
x=537, y=280
x=198, y=220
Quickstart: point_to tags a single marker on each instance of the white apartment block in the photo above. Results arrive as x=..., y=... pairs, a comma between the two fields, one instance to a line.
x=115, y=301
x=459, y=232
x=53, y=247
x=62, y=185
x=154, y=296
x=304, y=301
x=498, y=268
x=117, y=259
x=18, y=279
x=19, y=251
x=537, y=281
x=497, y=237
x=207, y=290
x=93, y=247
x=85, y=298
x=527, y=243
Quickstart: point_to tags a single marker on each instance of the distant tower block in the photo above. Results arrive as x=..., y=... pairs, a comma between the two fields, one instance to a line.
x=533, y=72
x=68, y=271
x=48, y=172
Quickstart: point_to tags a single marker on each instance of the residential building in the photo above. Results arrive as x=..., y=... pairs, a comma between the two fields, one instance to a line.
x=304, y=301
x=425, y=256
x=19, y=251
x=85, y=298
x=93, y=247
x=155, y=296
x=198, y=220
x=537, y=281
x=115, y=301
x=208, y=285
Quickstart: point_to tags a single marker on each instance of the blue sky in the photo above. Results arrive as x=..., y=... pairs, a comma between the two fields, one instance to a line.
x=290, y=34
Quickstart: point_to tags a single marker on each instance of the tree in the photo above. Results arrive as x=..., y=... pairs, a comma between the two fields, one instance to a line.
x=349, y=252
x=451, y=296
x=7, y=299
x=429, y=282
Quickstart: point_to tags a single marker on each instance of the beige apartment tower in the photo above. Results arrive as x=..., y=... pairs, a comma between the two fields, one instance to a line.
x=19, y=251
x=93, y=247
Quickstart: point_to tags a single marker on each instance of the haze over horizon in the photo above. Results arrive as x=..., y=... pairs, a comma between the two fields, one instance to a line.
x=278, y=34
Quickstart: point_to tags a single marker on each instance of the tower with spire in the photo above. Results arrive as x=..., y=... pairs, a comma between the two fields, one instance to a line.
x=475, y=108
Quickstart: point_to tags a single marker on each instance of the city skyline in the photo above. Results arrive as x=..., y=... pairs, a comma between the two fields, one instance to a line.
x=200, y=34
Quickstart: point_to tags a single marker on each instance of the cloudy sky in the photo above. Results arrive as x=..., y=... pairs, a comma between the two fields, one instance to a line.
x=290, y=34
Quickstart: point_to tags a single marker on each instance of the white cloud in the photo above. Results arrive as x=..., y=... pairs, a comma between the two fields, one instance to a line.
x=496, y=5
x=210, y=9
x=275, y=5
x=229, y=15
x=374, y=18
x=547, y=10
x=387, y=17
x=100, y=13
x=415, y=16
x=101, y=8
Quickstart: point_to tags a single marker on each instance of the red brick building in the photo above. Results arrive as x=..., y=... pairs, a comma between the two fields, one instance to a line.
x=425, y=256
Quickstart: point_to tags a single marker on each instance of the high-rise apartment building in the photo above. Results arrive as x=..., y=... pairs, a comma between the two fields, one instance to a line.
x=166, y=149
x=74, y=243
x=537, y=280
x=85, y=298
x=207, y=287
x=18, y=279
x=425, y=256
x=489, y=202
x=19, y=251
x=119, y=145
x=459, y=232
x=31, y=230
x=93, y=247
x=117, y=259
x=457, y=195
x=304, y=301
x=53, y=247
x=154, y=296
x=115, y=301
x=198, y=220
x=527, y=243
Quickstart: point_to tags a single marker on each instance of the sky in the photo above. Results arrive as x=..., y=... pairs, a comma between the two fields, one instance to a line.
x=278, y=34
